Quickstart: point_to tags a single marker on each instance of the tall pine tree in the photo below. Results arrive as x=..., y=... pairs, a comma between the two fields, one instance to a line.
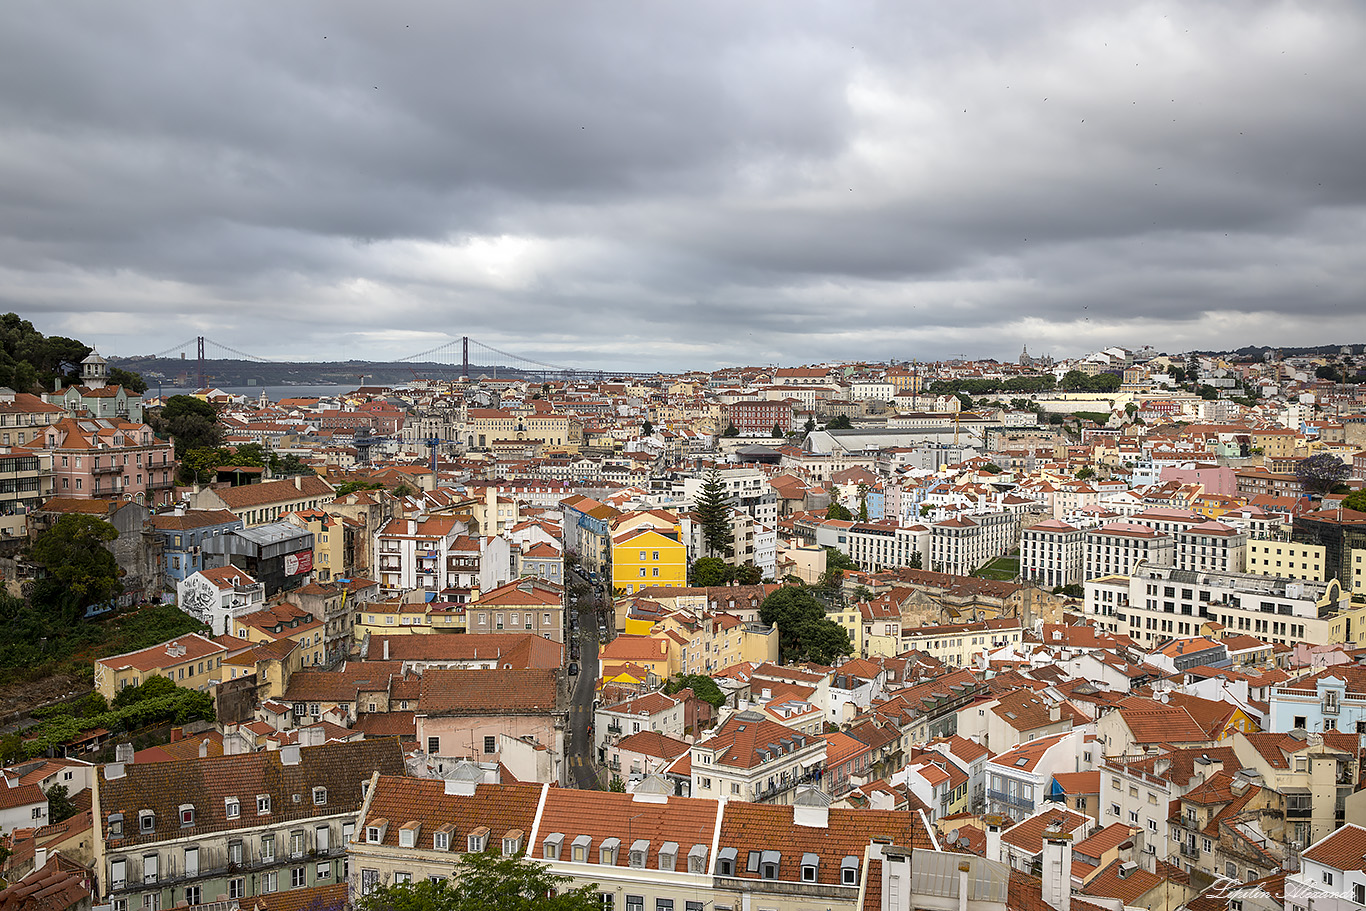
x=713, y=512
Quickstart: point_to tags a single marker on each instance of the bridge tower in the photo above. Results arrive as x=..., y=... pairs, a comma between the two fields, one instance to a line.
x=203, y=376
x=465, y=360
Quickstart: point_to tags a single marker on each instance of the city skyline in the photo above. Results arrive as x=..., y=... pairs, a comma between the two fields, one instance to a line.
x=623, y=187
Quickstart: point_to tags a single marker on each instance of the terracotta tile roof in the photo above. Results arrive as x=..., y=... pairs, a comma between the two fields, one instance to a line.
x=502, y=808
x=22, y=795
x=1025, y=711
x=653, y=743
x=748, y=827
x=1128, y=884
x=495, y=691
x=517, y=649
x=1154, y=722
x=738, y=742
x=193, y=518
x=269, y=492
x=342, y=685
x=317, y=898
x=1027, y=835
x=1102, y=840
x=601, y=815
x=206, y=783
x=157, y=656
x=649, y=704
x=1344, y=849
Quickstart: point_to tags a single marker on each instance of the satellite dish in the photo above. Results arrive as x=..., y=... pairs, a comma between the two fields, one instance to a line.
x=951, y=837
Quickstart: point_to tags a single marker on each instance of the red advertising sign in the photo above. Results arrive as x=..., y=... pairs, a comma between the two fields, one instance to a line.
x=298, y=563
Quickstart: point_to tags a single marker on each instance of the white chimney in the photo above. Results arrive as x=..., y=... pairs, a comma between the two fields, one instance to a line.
x=993, y=837
x=289, y=755
x=1057, y=869
x=203, y=748
x=964, y=883
x=386, y=649
x=123, y=753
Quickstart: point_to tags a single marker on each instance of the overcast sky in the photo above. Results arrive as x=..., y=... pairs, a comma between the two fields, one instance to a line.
x=684, y=184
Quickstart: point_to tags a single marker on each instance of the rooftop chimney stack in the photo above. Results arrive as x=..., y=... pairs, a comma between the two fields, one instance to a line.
x=993, y=824
x=1057, y=869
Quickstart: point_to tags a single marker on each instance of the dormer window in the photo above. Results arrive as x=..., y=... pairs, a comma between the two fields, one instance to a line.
x=374, y=833
x=640, y=848
x=552, y=845
x=478, y=840
x=580, y=849
x=849, y=871
x=320, y=797
x=768, y=864
x=232, y=807
x=147, y=821
x=668, y=855
x=262, y=804
x=408, y=833
x=512, y=842
x=607, y=851
x=186, y=814
x=697, y=859
x=810, y=865
x=441, y=838
x=725, y=862
x=115, y=825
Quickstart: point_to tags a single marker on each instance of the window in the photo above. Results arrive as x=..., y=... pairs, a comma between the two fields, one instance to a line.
x=270, y=882
x=262, y=804
x=1327, y=876
x=149, y=868
x=320, y=797
x=192, y=894
x=1301, y=722
x=849, y=871
x=1359, y=893
x=120, y=904
x=115, y=825
x=323, y=871
x=236, y=888
x=434, y=746
x=298, y=877
x=296, y=843
x=267, y=847
x=235, y=853
x=118, y=873
x=147, y=821
x=635, y=903
x=607, y=901
x=192, y=864
x=369, y=879
x=322, y=838
x=664, y=904
x=490, y=745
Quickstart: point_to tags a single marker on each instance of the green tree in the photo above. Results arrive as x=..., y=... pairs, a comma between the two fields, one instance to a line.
x=1318, y=473
x=79, y=571
x=617, y=785
x=153, y=687
x=713, y=513
x=30, y=360
x=748, y=574
x=702, y=686
x=59, y=805
x=862, y=502
x=252, y=455
x=708, y=571
x=192, y=423
x=1355, y=500
x=915, y=561
x=804, y=632
x=778, y=430
x=731, y=431
x=1085, y=473
x=200, y=465
x=836, y=510
x=1328, y=372
x=353, y=486
x=839, y=422
x=1074, y=381
x=292, y=465
x=810, y=425
x=129, y=380
x=485, y=881
x=647, y=429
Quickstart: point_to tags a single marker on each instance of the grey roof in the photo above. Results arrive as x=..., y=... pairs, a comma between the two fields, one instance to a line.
x=936, y=873
x=272, y=533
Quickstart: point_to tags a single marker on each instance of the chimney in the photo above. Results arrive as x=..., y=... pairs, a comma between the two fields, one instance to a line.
x=39, y=858
x=1055, y=713
x=994, y=824
x=177, y=734
x=123, y=753
x=289, y=755
x=386, y=649
x=1057, y=869
x=811, y=809
x=203, y=748
x=298, y=482
x=964, y=882
x=235, y=744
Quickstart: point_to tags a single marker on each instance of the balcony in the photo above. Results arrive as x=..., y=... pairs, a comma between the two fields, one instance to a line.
x=1189, y=850
x=106, y=469
x=1013, y=800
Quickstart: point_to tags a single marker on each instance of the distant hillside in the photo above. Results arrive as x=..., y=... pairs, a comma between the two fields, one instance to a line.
x=181, y=372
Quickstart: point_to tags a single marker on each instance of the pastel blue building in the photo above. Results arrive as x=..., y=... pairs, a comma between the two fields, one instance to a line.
x=183, y=534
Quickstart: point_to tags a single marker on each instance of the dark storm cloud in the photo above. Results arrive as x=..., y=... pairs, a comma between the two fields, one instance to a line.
x=683, y=184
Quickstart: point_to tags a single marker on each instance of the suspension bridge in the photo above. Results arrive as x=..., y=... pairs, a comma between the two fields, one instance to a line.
x=454, y=353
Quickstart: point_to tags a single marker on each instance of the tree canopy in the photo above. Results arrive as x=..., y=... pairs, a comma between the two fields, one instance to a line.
x=30, y=360
x=703, y=688
x=713, y=512
x=804, y=632
x=79, y=571
x=837, y=510
x=483, y=881
x=1355, y=500
x=129, y=380
x=839, y=422
x=190, y=422
x=1318, y=473
x=708, y=571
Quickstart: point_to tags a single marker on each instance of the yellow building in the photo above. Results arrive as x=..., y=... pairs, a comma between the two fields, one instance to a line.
x=1275, y=442
x=329, y=542
x=1286, y=560
x=1357, y=583
x=1349, y=626
x=647, y=551
x=397, y=617
x=958, y=644
x=284, y=621
x=649, y=653
x=191, y=661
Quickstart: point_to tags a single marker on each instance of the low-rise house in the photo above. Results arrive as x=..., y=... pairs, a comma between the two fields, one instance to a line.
x=752, y=758
x=650, y=712
x=1017, y=780
x=214, y=596
x=192, y=661
x=1332, y=874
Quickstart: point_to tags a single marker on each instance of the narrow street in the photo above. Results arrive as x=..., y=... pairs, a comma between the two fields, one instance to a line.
x=581, y=755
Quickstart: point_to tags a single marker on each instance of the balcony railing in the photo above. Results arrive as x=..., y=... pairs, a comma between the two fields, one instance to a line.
x=1190, y=850
x=106, y=469
x=1013, y=800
